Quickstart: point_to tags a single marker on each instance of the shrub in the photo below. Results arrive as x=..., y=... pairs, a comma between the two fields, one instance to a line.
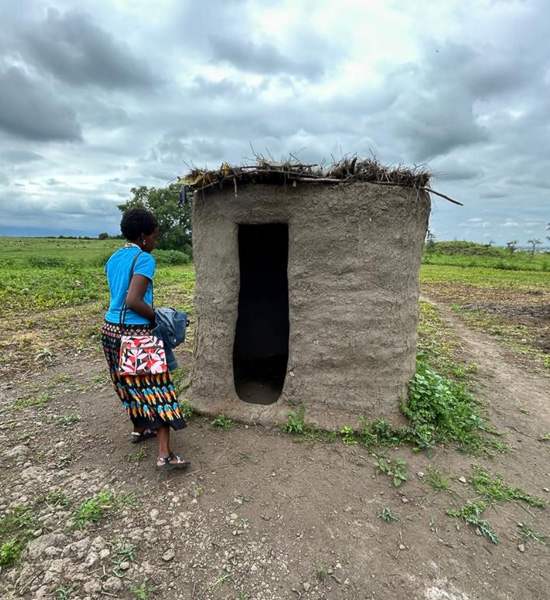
x=444, y=409
x=45, y=262
x=171, y=257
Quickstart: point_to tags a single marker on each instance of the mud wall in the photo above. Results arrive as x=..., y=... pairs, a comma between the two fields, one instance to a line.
x=353, y=263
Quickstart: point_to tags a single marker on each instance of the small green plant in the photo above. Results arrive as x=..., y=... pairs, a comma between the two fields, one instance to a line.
x=128, y=500
x=296, y=422
x=63, y=461
x=197, y=492
x=495, y=489
x=10, y=551
x=472, y=513
x=137, y=456
x=348, y=436
x=462, y=371
x=143, y=591
x=524, y=411
x=395, y=468
x=57, y=497
x=528, y=533
x=122, y=552
x=39, y=401
x=387, y=516
x=214, y=583
x=44, y=355
x=64, y=593
x=178, y=377
x=187, y=409
x=320, y=573
x=545, y=437
x=58, y=379
x=244, y=457
x=94, y=509
x=436, y=480
x=15, y=531
x=66, y=421
x=98, y=506
x=222, y=422
x=382, y=433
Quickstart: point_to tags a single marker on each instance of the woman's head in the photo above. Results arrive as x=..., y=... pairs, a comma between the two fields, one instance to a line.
x=140, y=226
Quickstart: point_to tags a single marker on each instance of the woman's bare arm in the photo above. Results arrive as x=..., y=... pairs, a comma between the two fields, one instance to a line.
x=134, y=300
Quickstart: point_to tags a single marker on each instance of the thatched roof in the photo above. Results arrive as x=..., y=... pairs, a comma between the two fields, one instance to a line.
x=290, y=172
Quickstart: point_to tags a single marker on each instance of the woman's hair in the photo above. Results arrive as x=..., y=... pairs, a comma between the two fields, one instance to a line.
x=137, y=221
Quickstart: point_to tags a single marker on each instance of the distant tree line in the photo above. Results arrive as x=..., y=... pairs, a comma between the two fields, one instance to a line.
x=472, y=248
x=106, y=236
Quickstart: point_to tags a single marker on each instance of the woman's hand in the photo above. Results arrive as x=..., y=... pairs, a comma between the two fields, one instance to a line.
x=134, y=300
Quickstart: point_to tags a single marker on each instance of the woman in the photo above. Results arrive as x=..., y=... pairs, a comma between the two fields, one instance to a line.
x=150, y=400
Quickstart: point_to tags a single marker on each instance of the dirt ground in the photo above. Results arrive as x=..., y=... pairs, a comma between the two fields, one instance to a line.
x=259, y=516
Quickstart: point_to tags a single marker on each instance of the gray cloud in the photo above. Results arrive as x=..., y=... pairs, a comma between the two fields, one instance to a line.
x=20, y=156
x=76, y=50
x=30, y=109
x=262, y=58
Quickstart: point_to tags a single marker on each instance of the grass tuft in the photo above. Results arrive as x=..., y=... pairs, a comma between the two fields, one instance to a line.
x=436, y=480
x=15, y=531
x=97, y=507
x=187, y=409
x=222, y=422
x=528, y=533
x=495, y=489
x=387, y=516
x=471, y=513
x=39, y=401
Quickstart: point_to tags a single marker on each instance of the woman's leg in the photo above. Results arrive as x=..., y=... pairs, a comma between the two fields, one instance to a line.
x=163, y=437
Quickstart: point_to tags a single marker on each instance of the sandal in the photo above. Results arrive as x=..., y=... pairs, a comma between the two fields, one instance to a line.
x=167, y=465
x=138, y=437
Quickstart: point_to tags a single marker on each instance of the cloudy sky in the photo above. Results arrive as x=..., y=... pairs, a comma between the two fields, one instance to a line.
x=98, y=96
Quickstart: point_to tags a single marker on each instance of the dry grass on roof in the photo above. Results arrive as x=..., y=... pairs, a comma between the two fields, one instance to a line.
x=345, y=171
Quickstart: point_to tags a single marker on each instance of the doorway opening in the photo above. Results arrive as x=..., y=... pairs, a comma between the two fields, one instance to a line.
x=260, y=349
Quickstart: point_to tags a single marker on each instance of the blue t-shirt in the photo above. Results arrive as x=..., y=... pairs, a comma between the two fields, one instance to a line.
x=118, y=275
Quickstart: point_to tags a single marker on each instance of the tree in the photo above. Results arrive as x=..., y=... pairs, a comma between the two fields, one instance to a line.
x=430, y=241
x=534, y=244
x=103, y=236
x=174, y=217
x=511, y=246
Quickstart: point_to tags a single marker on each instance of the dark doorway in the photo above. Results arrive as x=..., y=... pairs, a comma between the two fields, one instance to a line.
x=260, y=351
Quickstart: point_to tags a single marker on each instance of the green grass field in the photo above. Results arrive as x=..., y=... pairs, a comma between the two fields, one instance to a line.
x=40, y=274
x=484, y=276
x=20, y=253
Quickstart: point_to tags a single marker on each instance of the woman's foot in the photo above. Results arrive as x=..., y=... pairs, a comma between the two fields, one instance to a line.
x=140, y=435
x=170, y=462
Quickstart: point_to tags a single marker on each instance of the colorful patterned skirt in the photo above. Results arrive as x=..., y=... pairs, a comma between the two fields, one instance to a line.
x=150, y=400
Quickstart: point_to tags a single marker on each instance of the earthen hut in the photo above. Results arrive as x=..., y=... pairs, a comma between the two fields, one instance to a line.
x=306, y=289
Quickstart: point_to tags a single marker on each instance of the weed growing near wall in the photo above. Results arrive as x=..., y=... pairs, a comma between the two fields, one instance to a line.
x=439, y=409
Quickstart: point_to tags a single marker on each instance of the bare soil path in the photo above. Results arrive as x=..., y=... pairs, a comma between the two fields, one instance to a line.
x=262, y=517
